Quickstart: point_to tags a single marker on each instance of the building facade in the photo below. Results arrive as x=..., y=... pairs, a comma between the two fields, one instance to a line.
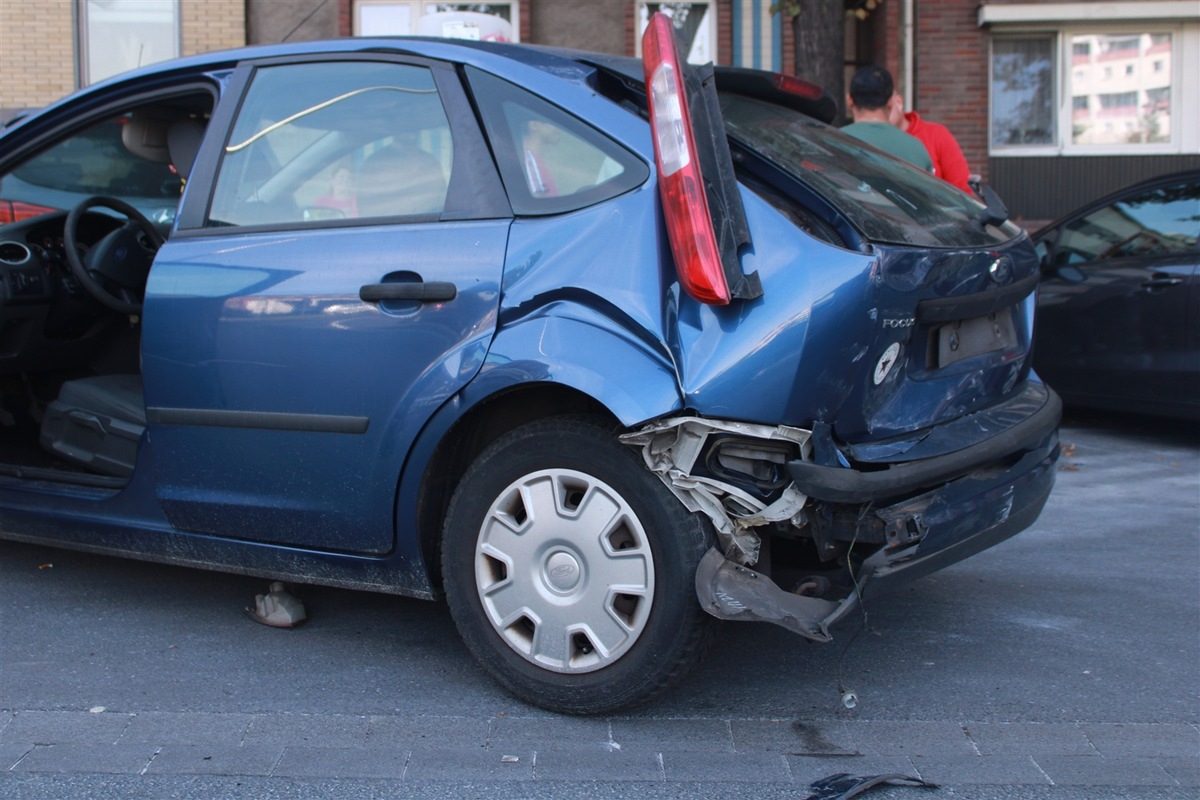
x=49, y=48
x=1053, y=102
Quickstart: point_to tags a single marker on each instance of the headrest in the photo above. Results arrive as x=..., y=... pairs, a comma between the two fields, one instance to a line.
x=146, y=137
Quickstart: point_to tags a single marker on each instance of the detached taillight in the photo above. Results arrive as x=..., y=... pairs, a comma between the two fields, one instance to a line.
x=680, y=184
x=15, y=211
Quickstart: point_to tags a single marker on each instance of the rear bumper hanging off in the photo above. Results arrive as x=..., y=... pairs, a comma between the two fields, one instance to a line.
x=965, y=516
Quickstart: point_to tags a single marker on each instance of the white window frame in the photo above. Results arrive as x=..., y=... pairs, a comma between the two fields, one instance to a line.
x=418, y=8
x=1063, y=22
x=641, y=17
x=84, y=43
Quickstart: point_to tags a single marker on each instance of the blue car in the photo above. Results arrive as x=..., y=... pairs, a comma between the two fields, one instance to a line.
x=599, y=350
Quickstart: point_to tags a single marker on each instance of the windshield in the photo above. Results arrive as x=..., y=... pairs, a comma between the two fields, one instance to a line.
x=888, y=200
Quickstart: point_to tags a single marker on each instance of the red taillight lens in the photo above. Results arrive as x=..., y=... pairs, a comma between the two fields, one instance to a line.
x=15, y=211
x=680, y=184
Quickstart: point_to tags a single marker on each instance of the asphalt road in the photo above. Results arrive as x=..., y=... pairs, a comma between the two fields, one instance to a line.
x=1060, y=664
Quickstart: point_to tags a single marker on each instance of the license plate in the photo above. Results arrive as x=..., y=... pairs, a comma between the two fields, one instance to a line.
x=968, y=338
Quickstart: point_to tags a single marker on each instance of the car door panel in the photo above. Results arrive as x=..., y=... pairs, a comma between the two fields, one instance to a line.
x=281, y=409
x=1119, y=333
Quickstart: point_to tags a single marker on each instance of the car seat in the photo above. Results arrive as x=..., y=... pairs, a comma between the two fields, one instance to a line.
x=96, y=423
x=398, y=181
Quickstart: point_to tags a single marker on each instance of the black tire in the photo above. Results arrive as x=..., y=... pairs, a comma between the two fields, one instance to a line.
x=569, y=569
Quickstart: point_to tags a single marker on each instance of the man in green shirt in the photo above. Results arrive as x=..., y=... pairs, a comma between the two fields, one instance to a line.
x=871, y=94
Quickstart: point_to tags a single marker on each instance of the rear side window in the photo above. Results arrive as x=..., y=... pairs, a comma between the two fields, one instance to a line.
x=550, y=161
x=1157, y=222
x=331, y=141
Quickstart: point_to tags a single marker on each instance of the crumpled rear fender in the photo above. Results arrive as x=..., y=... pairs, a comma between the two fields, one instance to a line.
x=581, y=346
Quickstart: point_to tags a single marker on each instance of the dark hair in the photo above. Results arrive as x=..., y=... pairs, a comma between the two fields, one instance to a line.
x=871, y=87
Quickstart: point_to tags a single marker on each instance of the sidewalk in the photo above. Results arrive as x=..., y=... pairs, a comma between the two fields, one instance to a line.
x=567, y=749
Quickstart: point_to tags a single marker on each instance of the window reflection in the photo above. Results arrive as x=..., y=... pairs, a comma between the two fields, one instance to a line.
x=1121, y=89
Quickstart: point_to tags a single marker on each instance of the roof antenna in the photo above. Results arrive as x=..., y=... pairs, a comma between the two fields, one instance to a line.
x=300, y=24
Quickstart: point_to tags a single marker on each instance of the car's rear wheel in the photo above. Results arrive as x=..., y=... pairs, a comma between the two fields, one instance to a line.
x=569, y=569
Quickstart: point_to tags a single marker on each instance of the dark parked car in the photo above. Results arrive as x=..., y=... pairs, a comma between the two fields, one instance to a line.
x=494, y=323
x=1118, y=315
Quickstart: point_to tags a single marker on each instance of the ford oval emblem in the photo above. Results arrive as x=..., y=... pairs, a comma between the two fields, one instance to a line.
x=562, y=571
x=1001, y=271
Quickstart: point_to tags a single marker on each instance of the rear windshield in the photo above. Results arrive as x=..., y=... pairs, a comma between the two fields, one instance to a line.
x=886, y=199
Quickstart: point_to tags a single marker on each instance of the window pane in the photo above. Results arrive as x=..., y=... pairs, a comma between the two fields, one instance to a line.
x=501, y=10
x=693, y=27
x=489, y=22
x=124, y=34
x=1023, y=91
x=1121, y=89
x=335, y=141
x=1158, y=222
x=550, y=161
x=385, y=19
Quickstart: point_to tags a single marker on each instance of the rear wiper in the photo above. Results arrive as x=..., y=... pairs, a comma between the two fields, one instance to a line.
x=994, y=211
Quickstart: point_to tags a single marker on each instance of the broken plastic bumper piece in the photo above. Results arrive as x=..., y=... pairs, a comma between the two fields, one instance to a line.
x=965, y=511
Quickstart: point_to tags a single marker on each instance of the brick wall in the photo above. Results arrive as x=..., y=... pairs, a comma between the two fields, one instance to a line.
x=213, y=25
x=269, y=21
x=951, y=73
x=594, y=24
x=37, y=53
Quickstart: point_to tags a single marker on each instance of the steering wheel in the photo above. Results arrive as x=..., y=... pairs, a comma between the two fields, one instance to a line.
x=117, y=266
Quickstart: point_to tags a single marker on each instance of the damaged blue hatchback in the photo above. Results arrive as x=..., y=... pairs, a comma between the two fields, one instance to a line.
x=596, y=349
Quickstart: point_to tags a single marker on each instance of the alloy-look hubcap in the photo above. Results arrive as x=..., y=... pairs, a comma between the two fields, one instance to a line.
x=564, y=571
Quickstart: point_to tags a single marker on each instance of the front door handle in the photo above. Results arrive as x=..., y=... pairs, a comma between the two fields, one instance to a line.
x=1161, y=283
x=430, y=292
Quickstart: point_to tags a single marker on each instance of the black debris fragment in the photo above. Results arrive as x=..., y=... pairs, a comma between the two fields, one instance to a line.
x=843, y=785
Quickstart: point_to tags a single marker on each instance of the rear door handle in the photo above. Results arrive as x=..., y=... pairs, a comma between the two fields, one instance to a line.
x=425, y=292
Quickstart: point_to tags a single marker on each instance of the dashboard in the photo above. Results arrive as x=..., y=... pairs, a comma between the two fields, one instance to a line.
x=47, y=319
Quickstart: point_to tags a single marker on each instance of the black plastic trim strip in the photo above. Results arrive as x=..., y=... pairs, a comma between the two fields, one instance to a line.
x=841, y=485
x=63, y=476
x=950, y=309
x=262, y=420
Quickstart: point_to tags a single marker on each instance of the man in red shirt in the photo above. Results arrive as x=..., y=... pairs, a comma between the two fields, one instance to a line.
x=949, y=163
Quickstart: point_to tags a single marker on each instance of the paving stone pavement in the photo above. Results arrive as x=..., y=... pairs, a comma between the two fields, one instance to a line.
x=567, y=749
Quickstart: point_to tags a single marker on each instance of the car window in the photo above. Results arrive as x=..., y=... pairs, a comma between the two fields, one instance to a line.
x=550, y=161
x=333, y=141
x=887, y=199
x=104, y=158
x=1157, y=222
